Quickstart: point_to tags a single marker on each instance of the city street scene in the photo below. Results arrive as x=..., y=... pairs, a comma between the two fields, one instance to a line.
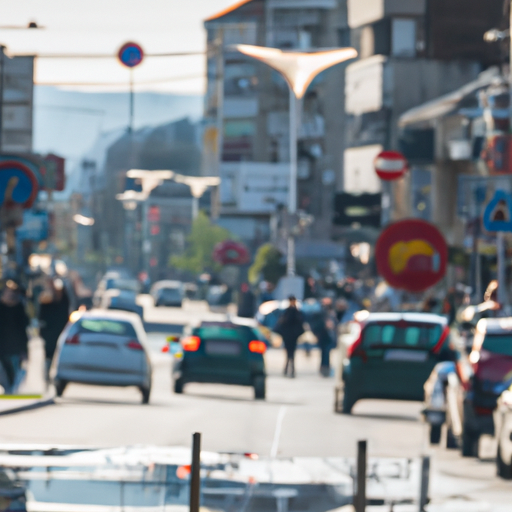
x=256, y=256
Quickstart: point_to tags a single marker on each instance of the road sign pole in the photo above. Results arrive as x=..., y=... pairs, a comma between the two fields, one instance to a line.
x=360, y=497
x=292, y=199
x=131, y=101
x=502, y=262
x=195, y=474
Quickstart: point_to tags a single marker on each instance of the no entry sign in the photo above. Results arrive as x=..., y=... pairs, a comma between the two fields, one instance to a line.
x=411, y=255
x=130, y=55
x=390, y=165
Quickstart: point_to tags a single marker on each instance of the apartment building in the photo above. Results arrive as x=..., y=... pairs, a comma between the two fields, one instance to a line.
x=411, y=51
x=246, y=135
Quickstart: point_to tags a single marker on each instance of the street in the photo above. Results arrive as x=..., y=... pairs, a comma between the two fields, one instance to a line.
x=297, y=419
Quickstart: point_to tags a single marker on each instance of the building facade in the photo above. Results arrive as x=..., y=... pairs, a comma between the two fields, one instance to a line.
x=246, y=137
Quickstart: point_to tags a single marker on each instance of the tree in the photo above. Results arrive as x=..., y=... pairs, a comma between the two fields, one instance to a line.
x=203, y=238
x=267, y=264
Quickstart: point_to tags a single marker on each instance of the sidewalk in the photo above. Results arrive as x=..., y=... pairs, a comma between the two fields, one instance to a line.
x=33, y=392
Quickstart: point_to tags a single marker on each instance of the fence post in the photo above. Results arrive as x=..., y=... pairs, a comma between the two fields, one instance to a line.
x=425, y=479
x=360, y=497
x=195, y=473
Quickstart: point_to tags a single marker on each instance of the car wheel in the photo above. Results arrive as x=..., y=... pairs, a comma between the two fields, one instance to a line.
x=470, y=443
x=348, y=403
x=178, y=386
x=435, y=434
x=504, y=469
x=451, y=440
x=146, y=392
x=259, y=388
x=60, y=386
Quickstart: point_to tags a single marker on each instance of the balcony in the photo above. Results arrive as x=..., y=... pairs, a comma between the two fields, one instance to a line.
x=364, y=12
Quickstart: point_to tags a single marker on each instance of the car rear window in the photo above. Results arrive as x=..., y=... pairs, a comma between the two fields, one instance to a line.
x=218, y=332
x=498, y=344
x=404, y=336
x=103, y=326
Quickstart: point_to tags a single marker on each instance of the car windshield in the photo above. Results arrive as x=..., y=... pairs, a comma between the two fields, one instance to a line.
x=498, y=344
x=170, y=293
x=398, y=335
x=219, y=332
x=105, y=326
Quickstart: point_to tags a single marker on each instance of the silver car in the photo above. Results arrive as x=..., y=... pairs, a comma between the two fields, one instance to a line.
x=105, y=348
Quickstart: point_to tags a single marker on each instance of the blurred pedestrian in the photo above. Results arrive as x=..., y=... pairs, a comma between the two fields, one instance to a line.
x=326, y=333
x=290, y=326
x=13, y=335
x=246, y=302
x=53, y=316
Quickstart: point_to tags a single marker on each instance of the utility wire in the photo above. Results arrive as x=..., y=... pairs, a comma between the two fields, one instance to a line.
x=145, y=82
x=109, y=55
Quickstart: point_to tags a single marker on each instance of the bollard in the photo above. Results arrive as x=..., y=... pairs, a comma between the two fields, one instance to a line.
x=360, y=497
x=425, y=478
x=195, y=473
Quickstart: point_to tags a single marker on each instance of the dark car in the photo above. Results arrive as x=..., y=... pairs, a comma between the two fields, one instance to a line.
x=393, y=357
x=168, y=293
x=222, y=353
x=490, y=375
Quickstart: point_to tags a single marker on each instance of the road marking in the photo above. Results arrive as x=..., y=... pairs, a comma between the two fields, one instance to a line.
x=277, y=433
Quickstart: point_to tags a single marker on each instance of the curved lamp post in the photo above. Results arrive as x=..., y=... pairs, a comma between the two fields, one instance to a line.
x=299, y=69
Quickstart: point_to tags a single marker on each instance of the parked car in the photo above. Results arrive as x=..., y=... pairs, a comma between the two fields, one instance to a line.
x=393, y=357
x=115, y=281
x=168, y=293
x=106, y=348
x=489, y=376
x=223, y=353
x=503, y=428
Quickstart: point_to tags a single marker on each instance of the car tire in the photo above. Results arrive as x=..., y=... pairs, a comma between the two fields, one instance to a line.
x=451, y=440
x=470, y=443
x=435, y=434
x=504, y=469
x=60, y=386
x=348, y=403
x=178, y=386
x=259, y=388
x=146, y=393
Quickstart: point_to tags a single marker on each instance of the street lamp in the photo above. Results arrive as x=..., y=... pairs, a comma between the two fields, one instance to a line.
x=299, y=69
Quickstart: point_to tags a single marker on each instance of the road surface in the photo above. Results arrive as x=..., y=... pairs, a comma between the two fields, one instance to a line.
x=297, y=419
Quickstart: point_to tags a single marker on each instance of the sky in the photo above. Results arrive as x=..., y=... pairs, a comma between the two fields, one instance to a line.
x=103, y=26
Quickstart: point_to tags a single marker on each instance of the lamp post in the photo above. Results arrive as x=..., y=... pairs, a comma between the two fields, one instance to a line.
x=299, y=69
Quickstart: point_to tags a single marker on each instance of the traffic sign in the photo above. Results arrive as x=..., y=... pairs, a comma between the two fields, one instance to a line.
x=498, y=213
x=231, y=253
x=131, y=54
x=18, y=185
x=411, y=255
x=390, y=165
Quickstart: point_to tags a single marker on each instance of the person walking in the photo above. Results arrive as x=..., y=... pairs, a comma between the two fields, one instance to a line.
x=246, y=302
x=13, y=336
x=290, y=326
x=53, y=316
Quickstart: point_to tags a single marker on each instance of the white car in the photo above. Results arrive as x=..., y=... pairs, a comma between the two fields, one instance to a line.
x=105, y=348
x=503, y=430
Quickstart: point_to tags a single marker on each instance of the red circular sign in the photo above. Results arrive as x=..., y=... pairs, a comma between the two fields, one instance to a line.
x=131, y=54
x=390, y=165
x=231, y=253
x=411, y=255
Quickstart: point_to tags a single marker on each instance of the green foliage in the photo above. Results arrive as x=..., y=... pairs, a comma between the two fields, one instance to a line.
x=203, y=238
x=267, y=264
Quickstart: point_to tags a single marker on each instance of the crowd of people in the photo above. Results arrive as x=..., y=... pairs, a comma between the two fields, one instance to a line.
x=45, y=304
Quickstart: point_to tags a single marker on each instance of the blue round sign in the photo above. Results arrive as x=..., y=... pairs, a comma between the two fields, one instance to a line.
x=131, y=55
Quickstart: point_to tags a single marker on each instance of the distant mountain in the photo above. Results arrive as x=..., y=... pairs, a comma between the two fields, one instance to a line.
x=69, y=122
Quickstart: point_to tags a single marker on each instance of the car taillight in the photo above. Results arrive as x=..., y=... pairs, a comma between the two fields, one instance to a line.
x=191, y=343
x=258, y=347
x=351, y=350
x=134, y=345
x=74, y=340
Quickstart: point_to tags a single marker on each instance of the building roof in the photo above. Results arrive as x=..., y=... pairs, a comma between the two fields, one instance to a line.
x=228, y=10
x=448, y=103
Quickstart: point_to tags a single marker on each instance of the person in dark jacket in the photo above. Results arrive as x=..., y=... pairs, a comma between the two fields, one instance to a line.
x=246, y=302
x=13, y=335
x=53, y=316
x=290, y=326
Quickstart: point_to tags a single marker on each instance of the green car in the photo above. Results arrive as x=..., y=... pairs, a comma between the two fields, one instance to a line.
x=394, y=356
x=221, y=353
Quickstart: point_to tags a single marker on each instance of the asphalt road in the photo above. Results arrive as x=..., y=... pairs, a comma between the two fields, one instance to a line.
x=297, y=419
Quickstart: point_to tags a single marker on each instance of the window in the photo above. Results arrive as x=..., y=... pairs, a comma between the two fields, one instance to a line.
x=403, y=42
x=416, y=336
x=111, y=327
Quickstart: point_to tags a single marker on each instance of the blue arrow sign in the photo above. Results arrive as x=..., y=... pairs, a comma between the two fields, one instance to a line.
x=498, y=213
